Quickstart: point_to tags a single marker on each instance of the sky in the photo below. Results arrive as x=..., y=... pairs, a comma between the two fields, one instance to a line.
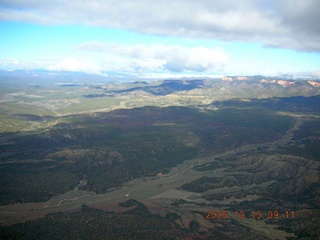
x=164, y=38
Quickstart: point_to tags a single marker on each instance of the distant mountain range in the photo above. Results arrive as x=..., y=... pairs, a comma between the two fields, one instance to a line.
x=132, y=92
x=123, y=77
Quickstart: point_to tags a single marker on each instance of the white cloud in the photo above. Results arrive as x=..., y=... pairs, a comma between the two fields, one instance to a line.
x=159, y=57
x=12, y=64
x=268, y=22
x=74, y=65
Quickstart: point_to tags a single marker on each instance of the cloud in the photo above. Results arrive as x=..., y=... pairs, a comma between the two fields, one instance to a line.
x=198, y=59
x=74, y=65
x=277, y=23
x=307, y=74
x=159, y=57
x=11, y=64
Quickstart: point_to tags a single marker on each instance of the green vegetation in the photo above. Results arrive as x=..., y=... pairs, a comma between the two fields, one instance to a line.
x=304, y=226
x=307, y=141
x=230, y=128
x=33, y=186
x=194, y=226
x=89, y=223
x=297, y=104
x=112, y=148
x=89, y=105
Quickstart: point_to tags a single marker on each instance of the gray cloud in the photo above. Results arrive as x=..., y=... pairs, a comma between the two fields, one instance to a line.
x=275, y=23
